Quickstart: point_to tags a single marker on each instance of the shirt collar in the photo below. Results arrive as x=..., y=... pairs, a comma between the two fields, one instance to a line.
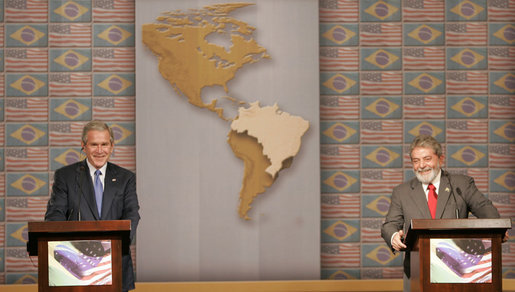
x=435, y=182
x=92, y=169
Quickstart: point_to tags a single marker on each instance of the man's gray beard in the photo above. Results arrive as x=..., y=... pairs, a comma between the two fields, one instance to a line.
x=429, y=177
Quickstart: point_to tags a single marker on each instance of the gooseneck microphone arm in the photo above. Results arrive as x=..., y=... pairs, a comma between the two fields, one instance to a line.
x=82, y=170
x=446, y=173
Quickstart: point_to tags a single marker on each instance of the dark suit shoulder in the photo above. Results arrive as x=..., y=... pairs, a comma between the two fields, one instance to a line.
x=118, y=169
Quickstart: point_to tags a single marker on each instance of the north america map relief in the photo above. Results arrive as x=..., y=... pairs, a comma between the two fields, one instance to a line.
x=202, y=48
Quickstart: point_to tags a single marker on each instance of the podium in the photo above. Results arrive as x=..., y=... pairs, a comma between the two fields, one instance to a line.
x=79, y=255
x=456, y=254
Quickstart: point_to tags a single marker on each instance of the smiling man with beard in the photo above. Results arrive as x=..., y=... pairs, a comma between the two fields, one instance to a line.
x=429, y=195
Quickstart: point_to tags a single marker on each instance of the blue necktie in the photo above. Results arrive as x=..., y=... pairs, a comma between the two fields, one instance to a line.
x=99, y=191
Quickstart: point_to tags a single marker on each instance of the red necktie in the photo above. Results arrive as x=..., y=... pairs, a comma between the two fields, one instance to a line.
x=431, y=200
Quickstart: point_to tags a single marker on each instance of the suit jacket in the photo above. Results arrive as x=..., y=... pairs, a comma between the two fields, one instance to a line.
x=73, y=190
x=409, y=202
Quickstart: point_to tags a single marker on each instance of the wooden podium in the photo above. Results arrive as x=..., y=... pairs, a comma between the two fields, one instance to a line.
x=452, y=244
x=45, y=234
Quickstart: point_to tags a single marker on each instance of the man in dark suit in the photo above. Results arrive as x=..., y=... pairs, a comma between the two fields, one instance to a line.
x=74, y=196
x=456, y=196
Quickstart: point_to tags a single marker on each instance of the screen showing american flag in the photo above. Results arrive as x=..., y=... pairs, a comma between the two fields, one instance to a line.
x=461, y=260
x=79, y=263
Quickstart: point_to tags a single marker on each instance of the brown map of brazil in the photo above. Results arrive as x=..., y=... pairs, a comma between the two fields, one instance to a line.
x=265, y=138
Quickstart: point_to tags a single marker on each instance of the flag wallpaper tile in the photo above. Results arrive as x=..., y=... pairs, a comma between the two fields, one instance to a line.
x=114, y=11
x=466, y=10
x=62, y=109
x=20, y=134
x=501, y=58
x=340, y=83
x=501, y=180
x=340, y=255
x=424, y=34
x=65, y=60
x=424, y=83
x=502, y=131
x=466, y=34
x=26, y=109
x=17, y=235
x=114, y=109
x=26, y=159
x=381, y=83
x=338, y=181
x=389, y=70
x=24, y=35
x=381, y=156
x=466, y=58
x=371, y=230
x=70, y=35
x=428, y=58
x=339, y=156
x=459, y=107
x=26, y=60
x=340, y=230
x=467, y=155
x=334, y=107
x=70, y=11
x=380, y=34
x=338, y=10
x=340, y=274
x=501, y=107
x=121, y=84
x=424, y=107
x=381, y=59
x=65, y=133
x=467, y=131
x=375, y=205
x=113, y=35
x=26, y=11
x=26, y=84
x=382, y=10
x=70, y=84
x=62, y=156
x=379, y=255
x=435, y=128
x=376, y=181
x=120, y=59
x=423, y=10
x=381, y=108
x=339, y=35
x=24, y=278
x=501, y=155
x=500, y=34
x=339, y=132
x=381, y=132
x=340, y=206
x=27, y=184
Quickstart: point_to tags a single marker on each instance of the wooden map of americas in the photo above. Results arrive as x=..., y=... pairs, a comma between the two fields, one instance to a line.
x=265, y=138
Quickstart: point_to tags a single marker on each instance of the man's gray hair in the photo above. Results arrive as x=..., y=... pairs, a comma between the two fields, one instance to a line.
x=96, y=126
x=426, y=141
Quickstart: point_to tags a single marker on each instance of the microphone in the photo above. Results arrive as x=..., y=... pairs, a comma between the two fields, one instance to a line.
x=82, y=170
x=446, y=173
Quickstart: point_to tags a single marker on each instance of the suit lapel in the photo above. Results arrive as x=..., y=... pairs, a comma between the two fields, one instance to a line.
x=419, y=196
x=109, y=190
x=444, y=192
x=88, y=191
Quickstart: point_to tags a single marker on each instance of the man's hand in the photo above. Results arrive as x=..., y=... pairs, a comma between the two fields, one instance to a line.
x=506, y=237
x=397, y=241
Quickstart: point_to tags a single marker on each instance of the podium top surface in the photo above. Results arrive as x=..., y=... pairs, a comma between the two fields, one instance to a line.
x=80, y=226
x=457, y=224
